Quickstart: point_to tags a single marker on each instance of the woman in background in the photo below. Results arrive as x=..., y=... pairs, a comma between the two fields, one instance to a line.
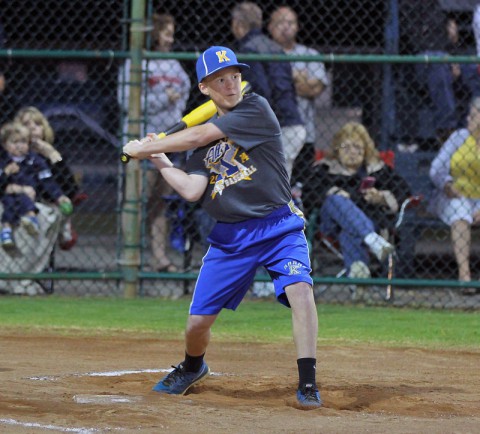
x=166, y=95
x=42, y=139
x=455, y=171
x=358, y=195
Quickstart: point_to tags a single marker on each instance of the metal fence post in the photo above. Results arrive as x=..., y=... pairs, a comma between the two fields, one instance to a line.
x=131, y=205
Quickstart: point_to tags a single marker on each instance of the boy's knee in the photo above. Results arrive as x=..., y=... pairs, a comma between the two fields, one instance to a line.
x=300, y=291
x=199, y=323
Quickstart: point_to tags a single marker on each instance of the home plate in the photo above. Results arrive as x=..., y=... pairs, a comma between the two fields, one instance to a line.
x=105, y=399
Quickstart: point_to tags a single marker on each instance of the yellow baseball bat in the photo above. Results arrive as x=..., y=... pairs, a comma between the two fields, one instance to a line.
x=197, y=116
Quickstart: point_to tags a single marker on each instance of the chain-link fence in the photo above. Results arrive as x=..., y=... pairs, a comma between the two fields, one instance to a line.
x=103, y=74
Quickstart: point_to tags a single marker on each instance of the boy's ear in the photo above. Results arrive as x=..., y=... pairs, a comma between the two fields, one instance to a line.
x=204, y=89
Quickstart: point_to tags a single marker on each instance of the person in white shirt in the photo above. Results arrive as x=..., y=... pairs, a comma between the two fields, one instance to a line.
x=310, y=80
x=165, y=100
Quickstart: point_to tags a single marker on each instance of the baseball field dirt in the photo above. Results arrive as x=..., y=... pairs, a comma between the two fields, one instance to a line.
x=52, y=382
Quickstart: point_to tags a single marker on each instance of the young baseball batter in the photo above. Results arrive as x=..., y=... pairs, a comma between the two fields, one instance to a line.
x=237, y=171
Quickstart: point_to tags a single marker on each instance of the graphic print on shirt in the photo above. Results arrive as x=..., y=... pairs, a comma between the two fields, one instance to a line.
x=225, y=162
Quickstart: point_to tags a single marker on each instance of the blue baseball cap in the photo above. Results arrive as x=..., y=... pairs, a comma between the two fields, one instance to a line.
x=215, y=59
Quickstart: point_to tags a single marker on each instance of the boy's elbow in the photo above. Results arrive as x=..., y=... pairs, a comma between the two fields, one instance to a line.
x=187, y=195
x=194, y=188
x=192, y=196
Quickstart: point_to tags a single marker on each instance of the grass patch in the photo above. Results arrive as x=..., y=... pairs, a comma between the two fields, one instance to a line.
x=254, y=321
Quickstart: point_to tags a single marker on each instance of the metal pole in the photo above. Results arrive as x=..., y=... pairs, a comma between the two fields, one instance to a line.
x=388, y=99
x=131, y=204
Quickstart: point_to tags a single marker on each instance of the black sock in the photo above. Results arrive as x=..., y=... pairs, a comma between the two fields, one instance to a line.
x=306, y=371
x=193, y=363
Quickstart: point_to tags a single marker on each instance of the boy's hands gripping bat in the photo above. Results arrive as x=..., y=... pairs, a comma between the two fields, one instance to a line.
x=197, y=116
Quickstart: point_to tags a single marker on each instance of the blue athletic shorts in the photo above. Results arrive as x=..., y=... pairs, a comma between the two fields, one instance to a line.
x=236, y=250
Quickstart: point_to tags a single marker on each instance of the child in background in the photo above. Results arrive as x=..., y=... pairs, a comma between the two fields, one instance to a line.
x=22, y=173
x=42, y=138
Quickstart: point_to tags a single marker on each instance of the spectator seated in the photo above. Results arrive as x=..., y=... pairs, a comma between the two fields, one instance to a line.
x=330, y=254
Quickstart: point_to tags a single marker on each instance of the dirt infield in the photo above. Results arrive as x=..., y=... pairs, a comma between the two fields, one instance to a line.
x=55, y=383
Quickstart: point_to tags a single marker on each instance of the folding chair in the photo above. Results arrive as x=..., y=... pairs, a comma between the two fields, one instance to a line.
x=409, y=203
x=33, y=255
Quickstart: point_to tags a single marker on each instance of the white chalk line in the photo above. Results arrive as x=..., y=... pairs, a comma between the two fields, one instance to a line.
x=57, y=427
x=110, y=374
x=80, y=398
x=99, y=374
x=106, y=399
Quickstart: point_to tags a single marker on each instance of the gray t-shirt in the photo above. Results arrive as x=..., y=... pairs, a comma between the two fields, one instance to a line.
x=246, y=169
